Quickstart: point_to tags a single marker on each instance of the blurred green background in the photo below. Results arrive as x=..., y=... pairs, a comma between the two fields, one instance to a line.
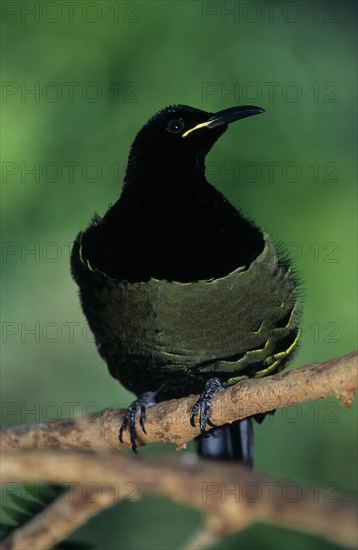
x=78, y=82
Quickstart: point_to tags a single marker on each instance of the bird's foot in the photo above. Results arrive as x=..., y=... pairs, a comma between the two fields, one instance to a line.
x=141, y=404
x=203, y=405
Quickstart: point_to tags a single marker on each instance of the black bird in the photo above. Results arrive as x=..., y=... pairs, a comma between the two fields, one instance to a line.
x=183, y=294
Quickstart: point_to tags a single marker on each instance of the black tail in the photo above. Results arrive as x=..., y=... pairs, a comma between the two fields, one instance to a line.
x=230, y=442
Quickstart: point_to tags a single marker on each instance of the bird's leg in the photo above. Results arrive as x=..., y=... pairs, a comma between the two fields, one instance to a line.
x=141, y=404
x=203, y=404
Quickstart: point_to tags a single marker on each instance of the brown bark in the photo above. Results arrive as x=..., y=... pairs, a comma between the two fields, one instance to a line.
x=231, y=495
x=169, y=421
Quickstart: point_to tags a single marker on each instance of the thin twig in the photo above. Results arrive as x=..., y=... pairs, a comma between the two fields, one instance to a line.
x=59, y=519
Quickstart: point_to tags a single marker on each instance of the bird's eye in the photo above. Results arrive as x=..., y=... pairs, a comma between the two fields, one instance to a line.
x=175, y=126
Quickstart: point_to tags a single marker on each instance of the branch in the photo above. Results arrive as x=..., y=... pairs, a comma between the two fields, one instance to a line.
x=169, y=421
x=59, y=519
x=231, y=495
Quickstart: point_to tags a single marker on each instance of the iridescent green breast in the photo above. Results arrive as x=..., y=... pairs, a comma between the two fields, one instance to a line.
x=244, y=324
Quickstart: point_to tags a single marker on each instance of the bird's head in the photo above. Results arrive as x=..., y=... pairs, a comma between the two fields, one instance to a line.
x=181, y=136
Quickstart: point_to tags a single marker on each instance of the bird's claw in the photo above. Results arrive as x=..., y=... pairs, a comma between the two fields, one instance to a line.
x=141, y=404
x=203, y=405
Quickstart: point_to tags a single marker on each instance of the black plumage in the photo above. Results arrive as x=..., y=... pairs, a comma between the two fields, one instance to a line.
x=183, y=294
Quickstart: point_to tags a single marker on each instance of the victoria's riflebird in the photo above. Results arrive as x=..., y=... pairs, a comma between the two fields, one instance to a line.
x=184, y=294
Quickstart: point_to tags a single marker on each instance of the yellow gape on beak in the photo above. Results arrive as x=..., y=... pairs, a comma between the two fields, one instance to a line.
x=201, y=125
x=226, y=116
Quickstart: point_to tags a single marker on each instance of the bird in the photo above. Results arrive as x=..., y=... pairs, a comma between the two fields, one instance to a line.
x=183, y=293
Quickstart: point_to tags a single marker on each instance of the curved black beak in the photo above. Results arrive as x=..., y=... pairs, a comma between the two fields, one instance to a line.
x=234, y=113
x=226, y=116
